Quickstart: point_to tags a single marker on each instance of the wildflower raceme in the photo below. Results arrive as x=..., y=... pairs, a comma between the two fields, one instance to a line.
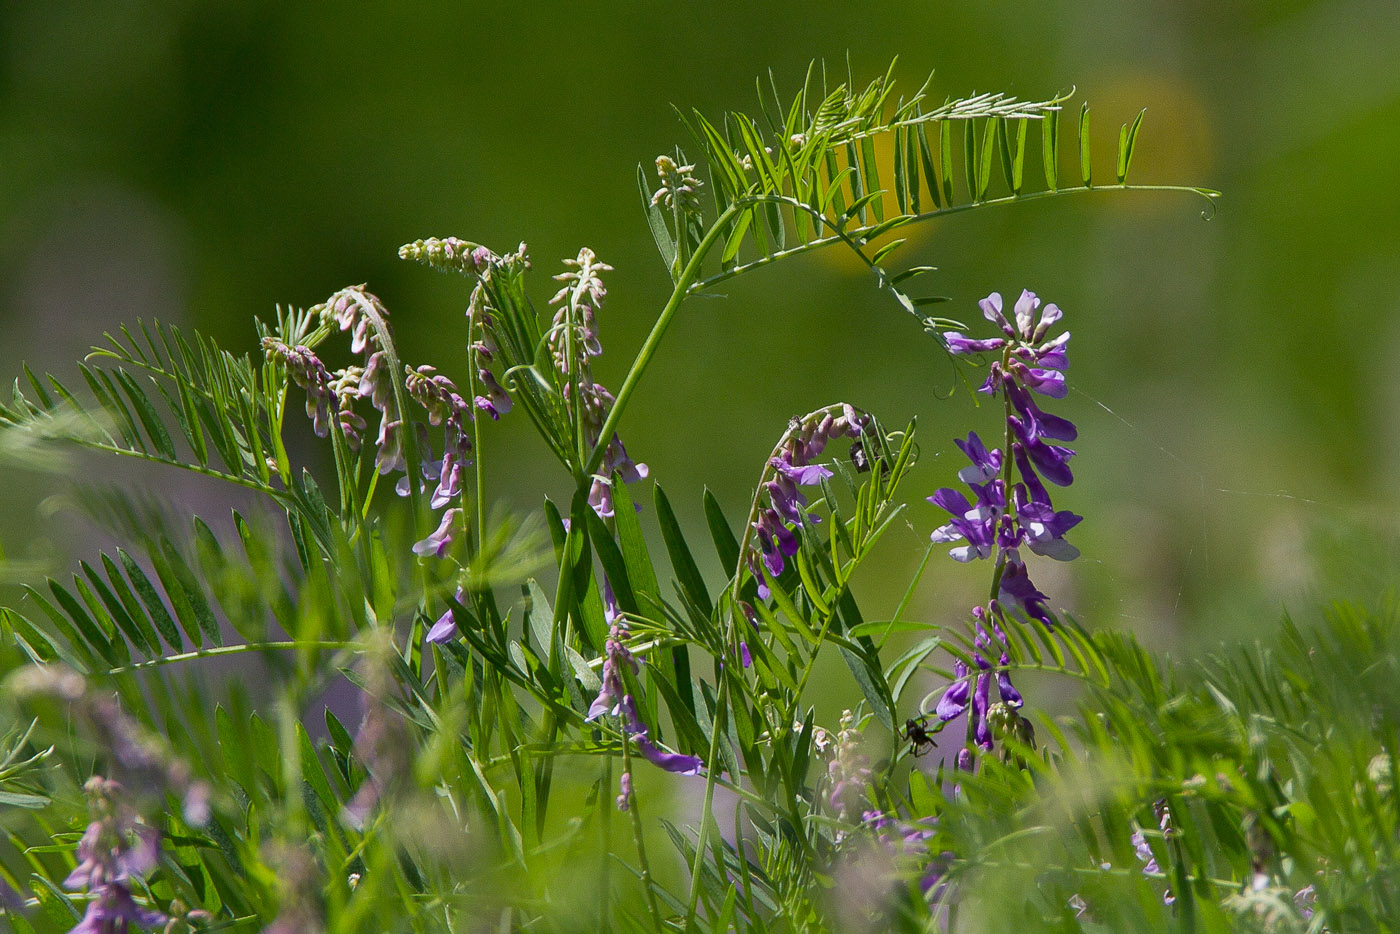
x=1010, y=509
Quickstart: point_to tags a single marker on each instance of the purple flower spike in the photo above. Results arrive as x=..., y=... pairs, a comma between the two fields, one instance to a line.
x=954, y=700
x=437, y=543
x=1010, y=507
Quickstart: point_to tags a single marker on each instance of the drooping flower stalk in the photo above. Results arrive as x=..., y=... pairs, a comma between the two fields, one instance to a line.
x=573, y=342
x=363, y=315
x=778, y=509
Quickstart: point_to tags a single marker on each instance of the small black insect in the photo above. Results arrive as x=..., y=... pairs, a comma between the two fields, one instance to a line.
x=859, y=458
x=862, y=459
x=920, y=741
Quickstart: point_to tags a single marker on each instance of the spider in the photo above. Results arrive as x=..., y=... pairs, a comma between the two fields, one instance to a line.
x=920, y=740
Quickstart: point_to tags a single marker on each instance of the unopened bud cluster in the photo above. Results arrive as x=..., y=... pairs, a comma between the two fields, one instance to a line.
x=678, y=185
x=449, y=254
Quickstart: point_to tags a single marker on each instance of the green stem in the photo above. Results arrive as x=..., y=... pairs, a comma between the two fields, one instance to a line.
x=1209, y=194
x=702, y=841
x=1007, y=463
x=636, y=816
x=604, y=883
x=233, y=650
x=571, y=361
x=658, y=331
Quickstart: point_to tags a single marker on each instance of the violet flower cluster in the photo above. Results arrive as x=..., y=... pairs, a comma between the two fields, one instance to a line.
x=445, y=403
x=114, y=849
x=907, y=841
x=614, y=700
x=118, y=847
x=1010, y=507
x=323, y=390
x=794, y=465
x=579, y=300
x=1143, y=850
x=331, y=395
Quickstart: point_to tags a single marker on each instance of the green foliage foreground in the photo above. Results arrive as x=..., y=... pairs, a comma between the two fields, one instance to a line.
x=558, y=728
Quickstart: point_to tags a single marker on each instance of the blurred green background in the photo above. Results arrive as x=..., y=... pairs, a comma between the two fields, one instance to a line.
x=200, y=162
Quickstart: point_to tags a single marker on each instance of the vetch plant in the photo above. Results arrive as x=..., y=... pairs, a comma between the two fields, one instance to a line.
x=559, y=719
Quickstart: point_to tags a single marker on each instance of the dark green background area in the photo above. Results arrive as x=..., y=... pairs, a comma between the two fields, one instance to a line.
x=1234, y=379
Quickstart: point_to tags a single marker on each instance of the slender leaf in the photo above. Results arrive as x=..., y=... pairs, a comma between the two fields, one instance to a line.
x=1086, y=170
x=1127, y=141
x=1049, y=148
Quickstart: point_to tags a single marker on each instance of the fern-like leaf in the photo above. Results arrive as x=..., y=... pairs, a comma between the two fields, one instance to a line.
x=855, y=164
